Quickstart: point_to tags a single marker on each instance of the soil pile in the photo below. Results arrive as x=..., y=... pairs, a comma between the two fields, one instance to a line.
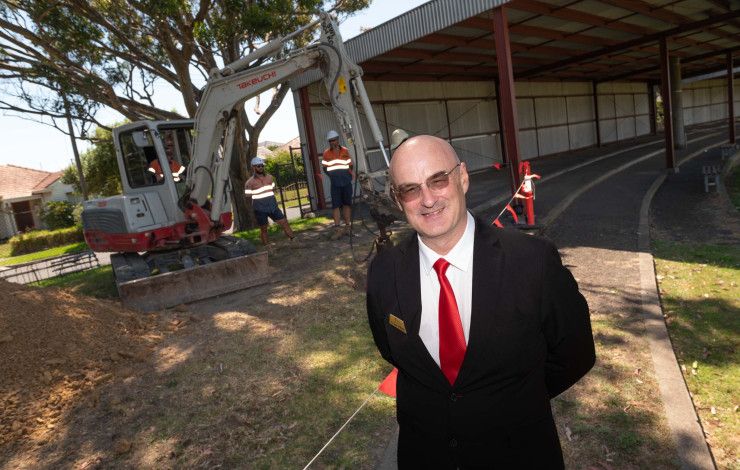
x=54, y=347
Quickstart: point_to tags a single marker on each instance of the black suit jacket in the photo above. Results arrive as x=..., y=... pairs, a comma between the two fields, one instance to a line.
x=530, y=339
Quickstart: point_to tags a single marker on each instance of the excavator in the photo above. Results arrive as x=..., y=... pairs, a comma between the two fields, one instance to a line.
x=167, y=229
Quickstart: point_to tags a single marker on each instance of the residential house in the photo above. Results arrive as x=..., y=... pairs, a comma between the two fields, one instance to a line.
x=23, y=191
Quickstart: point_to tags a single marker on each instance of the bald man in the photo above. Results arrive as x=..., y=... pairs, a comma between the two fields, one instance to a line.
x=484, y=325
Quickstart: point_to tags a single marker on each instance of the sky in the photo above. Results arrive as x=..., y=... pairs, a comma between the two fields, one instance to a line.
x=34, y=145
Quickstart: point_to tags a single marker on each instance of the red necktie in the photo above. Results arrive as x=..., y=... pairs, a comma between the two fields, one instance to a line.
x=451, y=336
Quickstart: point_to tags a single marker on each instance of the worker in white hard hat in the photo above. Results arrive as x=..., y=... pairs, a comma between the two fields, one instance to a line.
x=337, y=164
x=261, y=188
x=398, y=137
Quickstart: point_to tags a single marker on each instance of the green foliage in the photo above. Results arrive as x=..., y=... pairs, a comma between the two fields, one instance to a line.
x=38, y=240
x=283, y=169
x=100, y=167
x=58, y=214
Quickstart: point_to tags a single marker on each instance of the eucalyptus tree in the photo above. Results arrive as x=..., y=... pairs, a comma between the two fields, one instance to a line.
x=117, y=53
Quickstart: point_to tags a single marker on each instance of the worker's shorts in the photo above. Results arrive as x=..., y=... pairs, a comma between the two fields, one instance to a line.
x=275, y=214
x=341, y=196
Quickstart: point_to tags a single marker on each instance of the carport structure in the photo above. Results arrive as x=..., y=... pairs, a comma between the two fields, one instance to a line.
x=525, y=78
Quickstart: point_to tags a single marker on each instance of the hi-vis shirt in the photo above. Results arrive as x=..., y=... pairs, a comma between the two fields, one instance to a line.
x=338, y=165
x=176, y=169
x=262, y=192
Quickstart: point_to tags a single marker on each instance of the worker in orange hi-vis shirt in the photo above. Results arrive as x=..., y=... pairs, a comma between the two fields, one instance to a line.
x=337, y=164
x=175, y=167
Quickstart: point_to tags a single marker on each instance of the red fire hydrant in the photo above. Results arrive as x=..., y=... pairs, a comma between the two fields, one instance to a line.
x=527, y=190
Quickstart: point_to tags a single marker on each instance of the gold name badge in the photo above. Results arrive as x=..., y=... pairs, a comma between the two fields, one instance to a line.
x=397, y=323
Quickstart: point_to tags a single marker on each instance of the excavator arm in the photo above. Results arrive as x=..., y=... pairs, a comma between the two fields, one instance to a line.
x=228, y=89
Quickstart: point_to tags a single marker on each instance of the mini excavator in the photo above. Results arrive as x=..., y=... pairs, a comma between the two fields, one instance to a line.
x=167, y=231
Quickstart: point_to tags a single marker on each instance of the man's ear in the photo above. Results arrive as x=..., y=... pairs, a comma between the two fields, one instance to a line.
x=464, y=178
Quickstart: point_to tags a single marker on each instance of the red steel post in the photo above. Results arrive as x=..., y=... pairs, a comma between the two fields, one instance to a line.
x=731, y=97
x=507, y=99
x=665, y=93
x=313, y=157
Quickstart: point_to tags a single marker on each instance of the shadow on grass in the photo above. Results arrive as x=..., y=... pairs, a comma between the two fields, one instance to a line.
x=260, y=379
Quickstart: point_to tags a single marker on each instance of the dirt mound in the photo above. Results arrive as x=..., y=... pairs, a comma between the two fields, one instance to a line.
x=54, y=347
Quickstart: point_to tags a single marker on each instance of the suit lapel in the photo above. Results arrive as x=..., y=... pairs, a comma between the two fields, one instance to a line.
x=487, y=280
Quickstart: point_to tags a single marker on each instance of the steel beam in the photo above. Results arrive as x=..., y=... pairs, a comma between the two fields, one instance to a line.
x=507, y=99
x=731, y=97
x=646, y=39
x=318, y=179
x=595, y=94
x=665, y=93
x=651, y=107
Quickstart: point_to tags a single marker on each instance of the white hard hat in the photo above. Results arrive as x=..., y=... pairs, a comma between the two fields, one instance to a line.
x=257, y=161
x=331, y=135
x=398, y=137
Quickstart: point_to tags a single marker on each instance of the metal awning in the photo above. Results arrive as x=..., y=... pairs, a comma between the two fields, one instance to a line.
x=588, y=40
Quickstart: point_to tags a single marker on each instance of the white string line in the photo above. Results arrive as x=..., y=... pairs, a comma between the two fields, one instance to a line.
x=341, y=428
x=510, y=200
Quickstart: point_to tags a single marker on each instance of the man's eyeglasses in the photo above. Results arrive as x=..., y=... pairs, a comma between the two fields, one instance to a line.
x=258, y=166
x=436, y=182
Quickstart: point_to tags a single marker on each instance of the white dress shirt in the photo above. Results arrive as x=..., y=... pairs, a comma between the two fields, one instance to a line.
x=460, y=275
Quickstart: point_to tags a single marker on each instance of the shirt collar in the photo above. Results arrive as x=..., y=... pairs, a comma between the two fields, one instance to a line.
x=459, y=256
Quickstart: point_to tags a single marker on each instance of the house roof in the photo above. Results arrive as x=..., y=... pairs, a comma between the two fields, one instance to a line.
x=19, y=182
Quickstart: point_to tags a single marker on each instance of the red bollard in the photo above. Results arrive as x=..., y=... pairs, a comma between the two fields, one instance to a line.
x=527, y=190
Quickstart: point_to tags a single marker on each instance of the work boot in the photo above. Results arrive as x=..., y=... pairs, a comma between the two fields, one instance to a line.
x=338, y=232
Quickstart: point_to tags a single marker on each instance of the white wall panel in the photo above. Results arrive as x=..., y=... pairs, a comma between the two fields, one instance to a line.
x=702, y=97
x=719, y=95
x=478, y=152
x=718, y=111
x=582, y=135
x=625, y=128
x=527, y=144
x=642, y=104
x=642, y=123
x=577, y=88
x=550, y=111
x=525, y=113
x=608, y=130
x=580, y=108
x=419, y=118
x=552, y=140
x=606, y=106
x=472, y=117
x=625, y=105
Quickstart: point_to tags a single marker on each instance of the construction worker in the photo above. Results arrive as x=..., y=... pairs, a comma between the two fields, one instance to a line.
x=337, y=164
x=398, y=137
x=261, y=188
x=175, y=167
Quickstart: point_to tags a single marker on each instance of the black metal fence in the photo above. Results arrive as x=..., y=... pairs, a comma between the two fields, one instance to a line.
x=36, y=271
x=292, y=185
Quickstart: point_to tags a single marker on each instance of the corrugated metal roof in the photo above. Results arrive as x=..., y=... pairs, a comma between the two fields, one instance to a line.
x=421, y=21
x=448, y=40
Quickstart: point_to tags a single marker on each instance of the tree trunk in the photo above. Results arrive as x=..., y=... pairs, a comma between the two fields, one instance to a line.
x=241, y=206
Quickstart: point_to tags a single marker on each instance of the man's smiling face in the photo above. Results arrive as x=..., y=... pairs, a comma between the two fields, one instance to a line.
x=438, y=215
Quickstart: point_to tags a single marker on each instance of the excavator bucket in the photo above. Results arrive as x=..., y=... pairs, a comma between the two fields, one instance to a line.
x=195, y=283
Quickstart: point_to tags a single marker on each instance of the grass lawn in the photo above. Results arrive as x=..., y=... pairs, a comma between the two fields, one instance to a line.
x=99, y=282
x=275, y=233
x=732, y=183
x=7, y=260
x=96, y=282
x=701, y=302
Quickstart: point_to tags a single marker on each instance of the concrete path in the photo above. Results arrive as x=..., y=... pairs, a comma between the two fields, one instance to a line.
x=594, y=205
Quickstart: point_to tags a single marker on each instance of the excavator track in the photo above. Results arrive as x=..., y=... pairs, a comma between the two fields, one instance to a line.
x=158, y=280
